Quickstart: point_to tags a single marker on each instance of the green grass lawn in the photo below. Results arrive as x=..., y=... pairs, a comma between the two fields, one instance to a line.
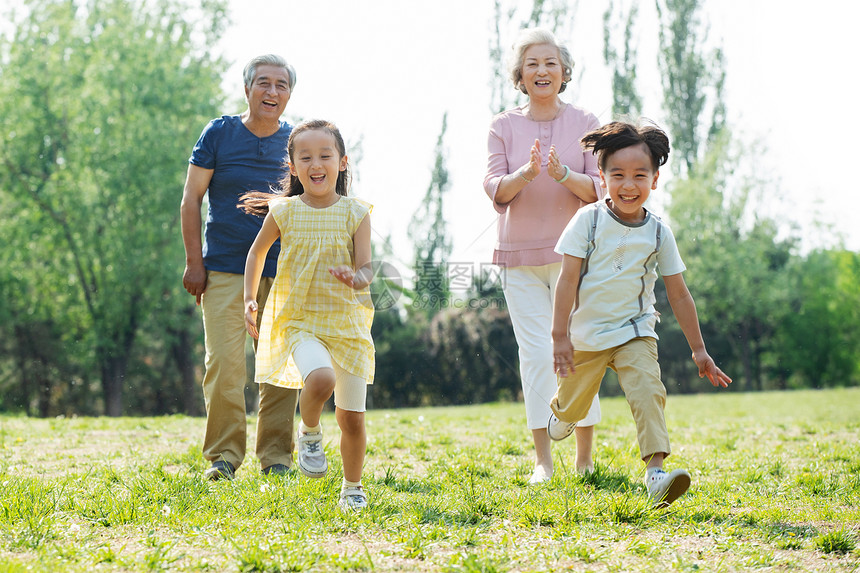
x=776, y=486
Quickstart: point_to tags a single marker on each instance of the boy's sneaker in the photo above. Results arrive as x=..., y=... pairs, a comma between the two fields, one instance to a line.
x=311, y=456
x=664, y=488
x=352, y=498
x=557, y=429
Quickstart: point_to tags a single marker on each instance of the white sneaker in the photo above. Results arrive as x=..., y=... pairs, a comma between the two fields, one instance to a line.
x=311, y=456
x=352, y=498
x=540, y=476
x=557, y=429
x=664, y=488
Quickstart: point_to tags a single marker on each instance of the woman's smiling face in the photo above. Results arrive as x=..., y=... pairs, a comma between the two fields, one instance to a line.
x=542, y=71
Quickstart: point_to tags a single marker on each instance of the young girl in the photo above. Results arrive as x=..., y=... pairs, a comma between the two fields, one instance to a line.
x=315, y=329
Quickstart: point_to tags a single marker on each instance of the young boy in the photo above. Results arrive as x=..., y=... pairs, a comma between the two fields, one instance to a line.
x=612, y=250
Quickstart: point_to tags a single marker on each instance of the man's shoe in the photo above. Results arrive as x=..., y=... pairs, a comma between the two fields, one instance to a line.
x=664, y=488
x=557, y=429
x=277, y=470
x=219, y=470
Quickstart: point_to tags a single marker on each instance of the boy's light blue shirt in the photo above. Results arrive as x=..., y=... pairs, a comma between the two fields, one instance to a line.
x=615, y=301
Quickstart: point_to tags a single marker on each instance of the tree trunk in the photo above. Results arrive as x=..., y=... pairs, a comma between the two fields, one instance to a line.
x=746, y=357
x=113, y=375
x=182, y=349
x=114, y=368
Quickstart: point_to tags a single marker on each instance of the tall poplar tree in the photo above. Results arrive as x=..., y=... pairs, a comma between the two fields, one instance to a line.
x=429, y=235
x=621, y=58
x=693, y=78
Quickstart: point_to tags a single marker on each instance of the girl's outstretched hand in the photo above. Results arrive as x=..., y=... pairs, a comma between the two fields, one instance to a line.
x=707, y=367
x=251, y=319
x=344, y=274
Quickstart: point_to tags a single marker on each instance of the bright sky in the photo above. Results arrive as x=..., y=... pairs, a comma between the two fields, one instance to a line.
x=386, y=71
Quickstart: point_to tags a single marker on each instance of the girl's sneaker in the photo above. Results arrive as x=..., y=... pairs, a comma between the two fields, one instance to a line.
x=311, y=456
x=664, y=488
x=352, y=498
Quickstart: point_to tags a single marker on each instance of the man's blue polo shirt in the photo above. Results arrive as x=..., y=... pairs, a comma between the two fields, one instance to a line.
x=241, y=162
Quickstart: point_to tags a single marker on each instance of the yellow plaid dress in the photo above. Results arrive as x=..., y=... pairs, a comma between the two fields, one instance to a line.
x=306, y=301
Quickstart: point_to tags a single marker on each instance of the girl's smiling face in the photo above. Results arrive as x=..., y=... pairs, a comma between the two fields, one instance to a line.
x=317, y=163
x=628, y=175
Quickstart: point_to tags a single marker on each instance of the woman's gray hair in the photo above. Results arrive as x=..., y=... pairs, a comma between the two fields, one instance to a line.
x=531, y=37
x=267, y=60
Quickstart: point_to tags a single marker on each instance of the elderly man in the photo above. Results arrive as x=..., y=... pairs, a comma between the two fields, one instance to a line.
x=236, y=154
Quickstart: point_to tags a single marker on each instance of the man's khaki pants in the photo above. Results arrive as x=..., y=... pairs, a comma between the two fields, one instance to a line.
x=224, y=383
x=638, y=371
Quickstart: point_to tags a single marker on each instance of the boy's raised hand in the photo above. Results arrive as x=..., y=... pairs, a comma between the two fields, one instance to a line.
x=562, y=356
x=707, y=367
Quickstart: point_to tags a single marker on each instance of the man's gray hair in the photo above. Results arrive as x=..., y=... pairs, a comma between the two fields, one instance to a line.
x=267, y=60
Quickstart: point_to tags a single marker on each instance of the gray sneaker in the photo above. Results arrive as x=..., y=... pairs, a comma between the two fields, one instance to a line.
x=557, y=429
x=664, y=488
x=352, y=498
x=311, y=456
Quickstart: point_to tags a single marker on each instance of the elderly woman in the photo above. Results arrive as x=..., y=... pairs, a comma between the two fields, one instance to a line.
x=236, y=154
x=537, y=178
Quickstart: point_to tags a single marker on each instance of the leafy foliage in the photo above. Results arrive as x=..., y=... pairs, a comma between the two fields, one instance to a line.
x=693, y=80
x=114, y=93
x=626, y=100
x=428, y=232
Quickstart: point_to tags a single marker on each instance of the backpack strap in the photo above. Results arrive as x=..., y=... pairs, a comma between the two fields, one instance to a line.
x=592, y=233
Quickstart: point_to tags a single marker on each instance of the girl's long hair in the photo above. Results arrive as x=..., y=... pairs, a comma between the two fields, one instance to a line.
x=257, y=202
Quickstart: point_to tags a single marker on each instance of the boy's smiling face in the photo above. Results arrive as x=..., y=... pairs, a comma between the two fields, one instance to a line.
x=628, y=175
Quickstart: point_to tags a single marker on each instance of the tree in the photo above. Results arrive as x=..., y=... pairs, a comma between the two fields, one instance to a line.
x=428, y=232
x=737, y=267
x=626, y=100
x=818, y=337
x=115, y=92
x=692, y=81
